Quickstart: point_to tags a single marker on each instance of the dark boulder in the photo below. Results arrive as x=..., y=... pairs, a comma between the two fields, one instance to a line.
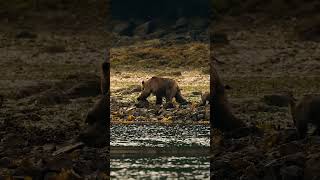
x=145, y=28
x=124, y=28
x=26, y=35
x=312, y=167
x=181, y=23
x=84, y=89
x=291, y=173
x=276, y=100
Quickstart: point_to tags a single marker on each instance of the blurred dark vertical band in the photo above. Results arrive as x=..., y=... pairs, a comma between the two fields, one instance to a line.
x=107, y=82
x=211, y=24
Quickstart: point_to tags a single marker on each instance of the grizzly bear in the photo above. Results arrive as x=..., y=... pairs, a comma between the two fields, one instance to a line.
x=99, y=112
x=205, y=98
x=306, y=111
x=221, y=116
x=161, y=87
x=97, y=131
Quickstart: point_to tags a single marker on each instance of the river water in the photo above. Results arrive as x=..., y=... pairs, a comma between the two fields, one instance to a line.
x=171, y=162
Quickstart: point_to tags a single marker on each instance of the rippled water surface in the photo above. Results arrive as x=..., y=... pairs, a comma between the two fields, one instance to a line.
x=161, y=168
x=147, y=166
x=160, y=136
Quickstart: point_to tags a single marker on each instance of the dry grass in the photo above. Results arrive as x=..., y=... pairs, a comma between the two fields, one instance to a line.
x=156, y=54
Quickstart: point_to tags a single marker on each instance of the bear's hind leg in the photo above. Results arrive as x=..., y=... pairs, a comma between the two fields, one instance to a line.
x=158, y=100
x=180, y=99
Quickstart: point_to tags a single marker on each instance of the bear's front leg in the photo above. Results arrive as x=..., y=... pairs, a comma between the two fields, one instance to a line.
x=169, y=103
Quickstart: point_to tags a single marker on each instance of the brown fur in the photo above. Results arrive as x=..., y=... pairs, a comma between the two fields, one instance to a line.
x=100, y=111
x=97, y=133
x=221, y=116
x=98, y=114
x=306, y=111
x=105, y=74
x=205, y=98
x=161, y=87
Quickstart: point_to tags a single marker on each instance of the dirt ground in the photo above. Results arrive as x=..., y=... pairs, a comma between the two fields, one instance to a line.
x=265, y=57
x=49, y=80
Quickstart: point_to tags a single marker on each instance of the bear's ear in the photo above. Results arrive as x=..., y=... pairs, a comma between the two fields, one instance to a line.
x=142, y=82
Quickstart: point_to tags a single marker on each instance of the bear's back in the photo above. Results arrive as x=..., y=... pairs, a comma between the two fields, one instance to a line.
x=161, y=84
